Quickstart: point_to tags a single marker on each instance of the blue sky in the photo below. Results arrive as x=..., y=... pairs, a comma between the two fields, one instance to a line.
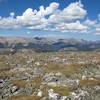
x=50, y=18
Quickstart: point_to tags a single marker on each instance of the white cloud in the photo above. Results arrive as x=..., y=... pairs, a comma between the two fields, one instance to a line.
x=69, y=27
x=89, y=23
x=53, y=19
x=72, y=26
x=98, y=29
x=27, y=18
x=99, y=16
x=12, y=14
x=32, y=18
x=97, y=32
x=28, y=32
x=49, y=10
x=72, y=12
x=9, y=23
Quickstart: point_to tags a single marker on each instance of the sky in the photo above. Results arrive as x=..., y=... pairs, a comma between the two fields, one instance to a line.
x=50, y=18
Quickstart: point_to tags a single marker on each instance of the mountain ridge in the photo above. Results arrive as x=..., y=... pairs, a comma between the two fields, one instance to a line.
x=47, y=44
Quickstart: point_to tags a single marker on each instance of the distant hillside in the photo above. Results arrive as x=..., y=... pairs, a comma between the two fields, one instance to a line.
x=44, y=44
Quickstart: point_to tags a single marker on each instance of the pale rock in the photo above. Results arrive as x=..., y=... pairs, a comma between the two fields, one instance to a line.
x=83, y=77
x=37, y=63
x=53, y=95
x=39, y=94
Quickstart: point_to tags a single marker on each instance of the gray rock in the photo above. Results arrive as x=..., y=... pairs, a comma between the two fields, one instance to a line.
x=14, y=89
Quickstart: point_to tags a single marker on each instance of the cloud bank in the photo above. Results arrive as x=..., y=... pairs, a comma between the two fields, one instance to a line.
x=52, y=18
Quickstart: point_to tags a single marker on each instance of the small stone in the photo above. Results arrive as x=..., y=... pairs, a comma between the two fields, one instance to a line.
x=39, y=94
x=14, y=89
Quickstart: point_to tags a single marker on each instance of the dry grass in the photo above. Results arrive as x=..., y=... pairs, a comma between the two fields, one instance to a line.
x=24, y=97
x=19, y=83
x=89, y=82
x=52, y=66
x=7, y=73
x=3, y=58
x=74, y=68
x=22, y=83
x=70, y=69
x=5, y=67
x=66, y=69
x=36, y=82
x=62, y=90
x=23, y=61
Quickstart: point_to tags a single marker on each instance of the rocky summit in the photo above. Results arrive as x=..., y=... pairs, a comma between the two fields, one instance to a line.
x=49, y=49
x=61, y=75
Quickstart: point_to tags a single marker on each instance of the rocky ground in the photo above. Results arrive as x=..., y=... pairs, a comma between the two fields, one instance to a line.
x=27, y=75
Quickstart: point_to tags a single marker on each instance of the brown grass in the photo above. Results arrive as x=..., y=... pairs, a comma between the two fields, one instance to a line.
x=19, y=83
x=36, y=82
x=89, y=82
x=24, y=97
x=5, y=67
x=62, y=90
x=7, y=73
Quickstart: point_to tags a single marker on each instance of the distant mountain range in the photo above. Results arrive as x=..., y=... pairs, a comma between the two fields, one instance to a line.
x=44, y=44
